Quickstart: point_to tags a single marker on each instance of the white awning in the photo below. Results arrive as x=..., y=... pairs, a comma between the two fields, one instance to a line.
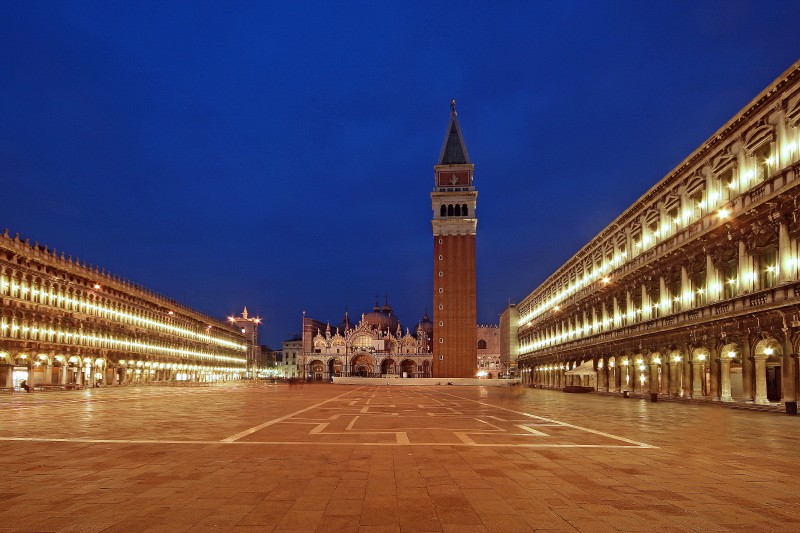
x=586, y=369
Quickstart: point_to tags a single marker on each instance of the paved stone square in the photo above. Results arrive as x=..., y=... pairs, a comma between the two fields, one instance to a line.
x=263, y=457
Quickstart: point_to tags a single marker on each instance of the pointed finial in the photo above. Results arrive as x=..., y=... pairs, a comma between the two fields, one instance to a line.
x=453, y=105
x=244, y=313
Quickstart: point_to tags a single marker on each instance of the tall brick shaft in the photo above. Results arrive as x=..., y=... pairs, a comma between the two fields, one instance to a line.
x=455, y=340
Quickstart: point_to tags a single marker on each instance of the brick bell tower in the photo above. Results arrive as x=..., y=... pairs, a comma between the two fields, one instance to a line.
x=455, y=338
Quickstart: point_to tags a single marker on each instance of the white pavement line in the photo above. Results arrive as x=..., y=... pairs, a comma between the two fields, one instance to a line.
x=533, y=431
x=488, y=424
x=351, y=424
x=259, y=427
x=594, y=431
x=306, y=443
x=319, y=428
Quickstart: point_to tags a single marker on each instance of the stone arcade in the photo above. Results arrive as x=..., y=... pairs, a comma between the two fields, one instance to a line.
x=65, y=324
x=693, y=291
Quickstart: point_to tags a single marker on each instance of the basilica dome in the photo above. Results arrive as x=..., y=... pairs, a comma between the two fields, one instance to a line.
x=381, y=318
x=426, y=325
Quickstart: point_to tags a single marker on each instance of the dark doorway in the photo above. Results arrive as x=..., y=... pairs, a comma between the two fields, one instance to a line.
x=774, y=383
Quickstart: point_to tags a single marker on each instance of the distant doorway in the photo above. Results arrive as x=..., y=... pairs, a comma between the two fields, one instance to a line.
x=774, y=383
x=407, y=367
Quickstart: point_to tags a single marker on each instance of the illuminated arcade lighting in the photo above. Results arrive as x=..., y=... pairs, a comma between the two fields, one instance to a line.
x=723, y=214
x=768, y=350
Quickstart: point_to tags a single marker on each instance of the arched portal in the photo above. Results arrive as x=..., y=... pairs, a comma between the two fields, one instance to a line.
x=407, y=367
x=388, y=366
x=334, y=368
x=317, y=369
x=361, y=365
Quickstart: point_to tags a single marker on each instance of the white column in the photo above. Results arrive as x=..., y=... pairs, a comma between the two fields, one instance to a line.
x=785, y=270
x=697, y=378
x=745, y=284
x=725, y=378
x=761, y=378
x=686, y=289
x=711, y=281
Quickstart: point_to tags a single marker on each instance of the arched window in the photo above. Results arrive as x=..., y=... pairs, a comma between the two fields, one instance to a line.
x=443, y=211
x=464, y=210
x=458, y=210
x=450, y=210
x=481, y=344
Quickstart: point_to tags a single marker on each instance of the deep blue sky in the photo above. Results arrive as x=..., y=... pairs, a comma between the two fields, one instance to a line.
x=279, y=154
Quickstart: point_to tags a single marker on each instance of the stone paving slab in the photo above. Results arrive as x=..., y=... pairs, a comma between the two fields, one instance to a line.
x=361, y=458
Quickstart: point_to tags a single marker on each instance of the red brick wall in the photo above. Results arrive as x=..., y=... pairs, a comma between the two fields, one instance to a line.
x=458, y=315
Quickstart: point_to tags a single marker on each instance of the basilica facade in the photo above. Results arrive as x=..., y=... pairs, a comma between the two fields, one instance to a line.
x=376, y=346
x=694, y=290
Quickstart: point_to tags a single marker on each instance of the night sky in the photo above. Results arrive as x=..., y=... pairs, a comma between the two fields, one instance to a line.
x=280, y=155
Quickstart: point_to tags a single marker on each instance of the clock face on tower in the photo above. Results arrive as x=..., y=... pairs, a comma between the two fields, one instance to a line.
x=453, y=179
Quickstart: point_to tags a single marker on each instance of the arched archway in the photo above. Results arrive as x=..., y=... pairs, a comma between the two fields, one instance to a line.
x=334, y=368
x=361, y=365
x=768, y=357
x=701, y=368
x=388, y=366
x=317, y=369
x=408, y=367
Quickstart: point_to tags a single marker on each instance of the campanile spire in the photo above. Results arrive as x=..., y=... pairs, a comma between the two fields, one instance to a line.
x=454, y=225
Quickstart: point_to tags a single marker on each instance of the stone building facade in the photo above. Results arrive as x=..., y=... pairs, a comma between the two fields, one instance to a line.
x=65, y=323
x=291, y=349
x=489, y=364
x=694, y=290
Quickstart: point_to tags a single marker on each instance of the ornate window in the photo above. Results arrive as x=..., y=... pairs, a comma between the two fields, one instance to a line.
x=481, y=344
x=362, y=341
